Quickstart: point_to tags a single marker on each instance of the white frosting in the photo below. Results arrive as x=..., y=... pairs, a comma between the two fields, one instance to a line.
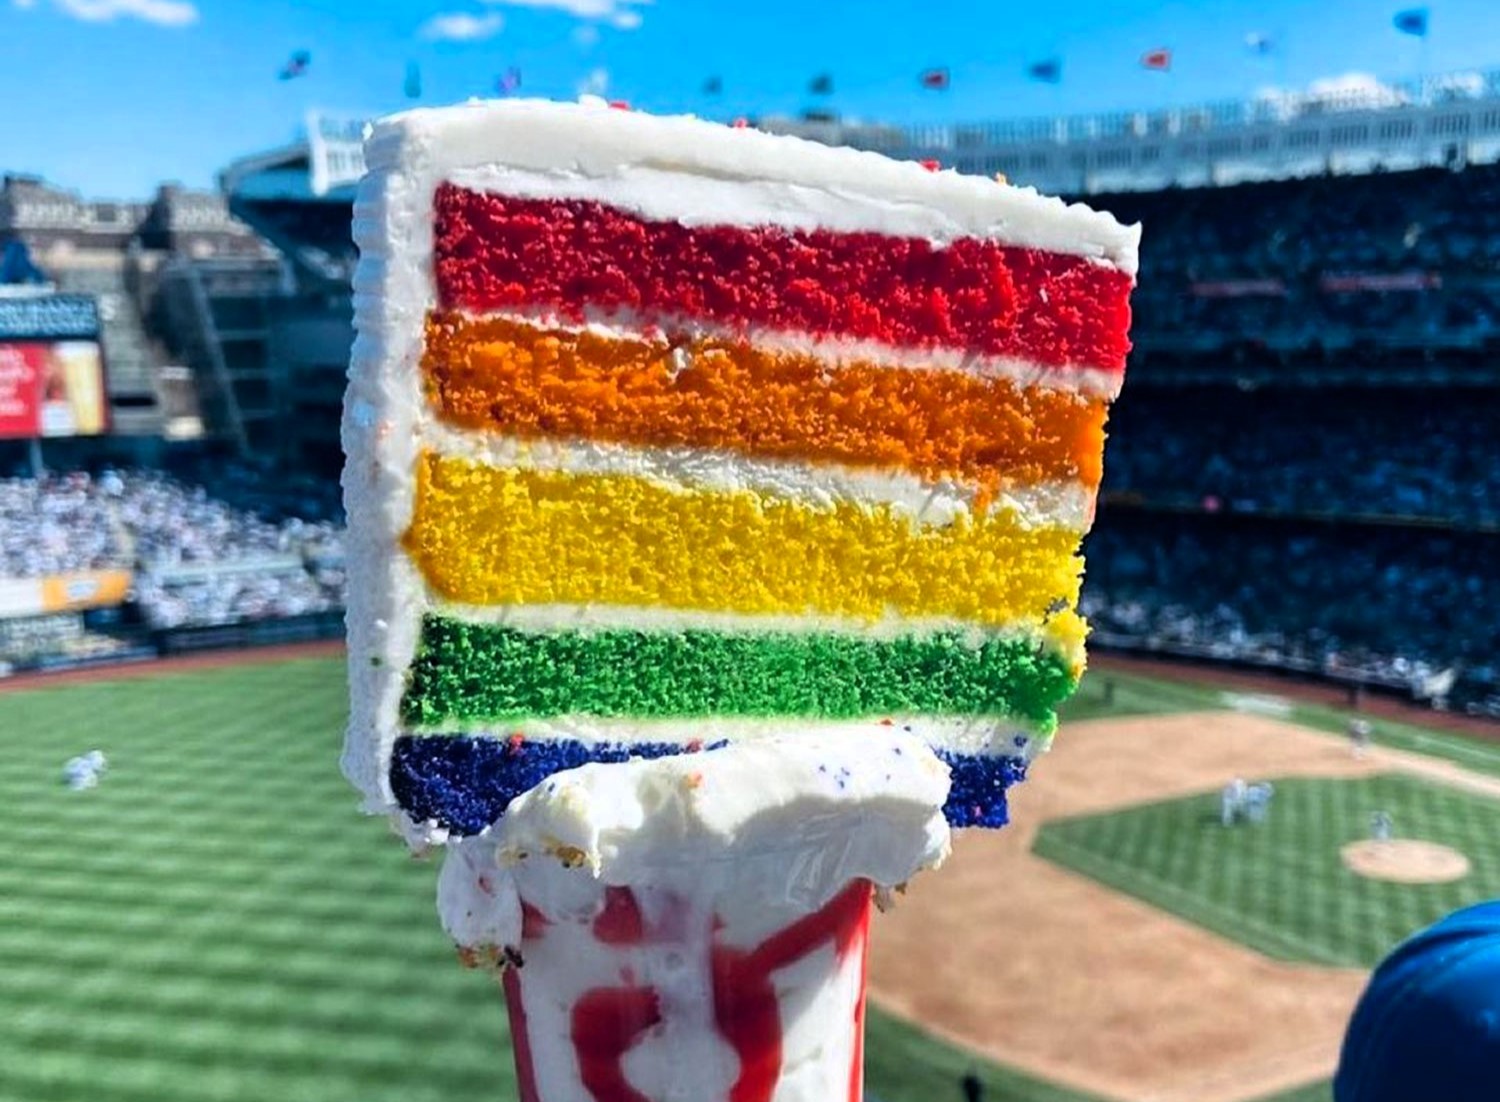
x=928, y=503
x=777, y=821
x=1088, y=382
x=665, y=163
x=957, y=734
x=629, y=158
x=565, y=617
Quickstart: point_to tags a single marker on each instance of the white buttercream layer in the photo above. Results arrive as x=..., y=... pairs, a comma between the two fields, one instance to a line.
x=564, y=618
x=1067, y=505
x=1086, y=382
x=985, y=736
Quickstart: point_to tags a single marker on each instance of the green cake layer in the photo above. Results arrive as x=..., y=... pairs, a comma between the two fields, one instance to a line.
x=468, y=673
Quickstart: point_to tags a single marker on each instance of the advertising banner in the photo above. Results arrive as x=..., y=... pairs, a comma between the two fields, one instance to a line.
x=52, y=388
x=63, y=592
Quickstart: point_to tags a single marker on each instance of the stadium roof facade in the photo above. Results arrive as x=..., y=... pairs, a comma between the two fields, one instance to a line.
x=1352, y=124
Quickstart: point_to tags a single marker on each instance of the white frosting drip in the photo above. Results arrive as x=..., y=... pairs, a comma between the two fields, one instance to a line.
x=754, y=827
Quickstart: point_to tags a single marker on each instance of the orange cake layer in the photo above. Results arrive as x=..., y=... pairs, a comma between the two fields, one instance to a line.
x=529, y=381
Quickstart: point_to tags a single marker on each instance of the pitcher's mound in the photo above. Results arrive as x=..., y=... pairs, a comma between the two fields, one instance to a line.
x=1406, y=861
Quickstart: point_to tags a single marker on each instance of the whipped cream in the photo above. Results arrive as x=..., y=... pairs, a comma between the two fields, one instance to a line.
x=694, y=928
x=781, y=822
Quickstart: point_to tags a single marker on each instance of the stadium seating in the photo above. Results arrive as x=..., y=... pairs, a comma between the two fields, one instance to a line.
x=1336, y=510
x=197, y=558
x=1394, y=453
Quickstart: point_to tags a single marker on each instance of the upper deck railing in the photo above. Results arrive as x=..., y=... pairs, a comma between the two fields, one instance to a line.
x=1345, y=126
x=1342, y=126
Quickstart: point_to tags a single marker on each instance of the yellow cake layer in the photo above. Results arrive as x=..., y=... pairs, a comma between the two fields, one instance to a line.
x=488, y=536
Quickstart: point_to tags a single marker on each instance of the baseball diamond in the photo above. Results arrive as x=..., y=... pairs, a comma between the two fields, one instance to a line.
x=197, y=913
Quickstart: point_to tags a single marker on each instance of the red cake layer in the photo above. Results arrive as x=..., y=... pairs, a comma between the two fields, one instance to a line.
x=495, y=251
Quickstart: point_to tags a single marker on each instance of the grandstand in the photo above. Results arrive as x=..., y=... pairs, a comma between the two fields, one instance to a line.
x=113, y=254
x=127, y=528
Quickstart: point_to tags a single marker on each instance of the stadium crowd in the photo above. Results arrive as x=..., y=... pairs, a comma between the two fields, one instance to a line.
x=1391, y=606
x=1365, y=452
x=1412, y=249
x=197, y=559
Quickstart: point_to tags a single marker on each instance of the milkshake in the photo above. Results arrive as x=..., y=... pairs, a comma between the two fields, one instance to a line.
x=694, y=929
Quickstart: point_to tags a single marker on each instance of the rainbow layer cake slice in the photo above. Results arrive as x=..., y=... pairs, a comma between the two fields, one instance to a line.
x=663, y=434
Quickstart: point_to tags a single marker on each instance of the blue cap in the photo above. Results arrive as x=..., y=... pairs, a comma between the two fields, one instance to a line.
x=1428, y=1025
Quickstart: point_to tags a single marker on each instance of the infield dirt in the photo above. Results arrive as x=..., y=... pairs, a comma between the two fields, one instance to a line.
x=1055, y=974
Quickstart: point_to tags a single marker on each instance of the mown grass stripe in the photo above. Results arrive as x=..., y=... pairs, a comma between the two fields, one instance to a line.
x=477, y=672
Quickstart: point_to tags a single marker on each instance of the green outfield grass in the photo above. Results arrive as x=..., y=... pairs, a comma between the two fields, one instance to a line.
x=216, y=923
x=1280, y=887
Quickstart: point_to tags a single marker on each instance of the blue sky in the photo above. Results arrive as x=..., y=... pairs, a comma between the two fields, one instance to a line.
x=112, y=96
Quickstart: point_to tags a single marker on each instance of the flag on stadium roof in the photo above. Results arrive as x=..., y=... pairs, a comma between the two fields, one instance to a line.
x=821, y=85
x=412, y=86
x=16, y=265
x=935, y=80
x=296, y=65
x=1411, y=21
x=1258, y=42
x=509, y=81
x=1048, y=71
x=1160, y=59
x=713, y=86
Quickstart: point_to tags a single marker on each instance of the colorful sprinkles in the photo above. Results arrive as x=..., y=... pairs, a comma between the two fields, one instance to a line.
x=464, y=783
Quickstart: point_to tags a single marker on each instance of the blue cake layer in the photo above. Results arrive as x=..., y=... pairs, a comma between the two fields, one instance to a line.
x=464, y=783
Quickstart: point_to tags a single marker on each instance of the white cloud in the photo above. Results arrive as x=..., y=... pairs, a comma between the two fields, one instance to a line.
x=164, y=13
x=1349, y=92
x=596, y=83
x=586, y=36
x=460, y=26
x=621, y=13
x=1356, y=90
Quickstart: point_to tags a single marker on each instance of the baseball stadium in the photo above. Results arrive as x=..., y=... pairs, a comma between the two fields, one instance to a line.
x=1283, y=760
